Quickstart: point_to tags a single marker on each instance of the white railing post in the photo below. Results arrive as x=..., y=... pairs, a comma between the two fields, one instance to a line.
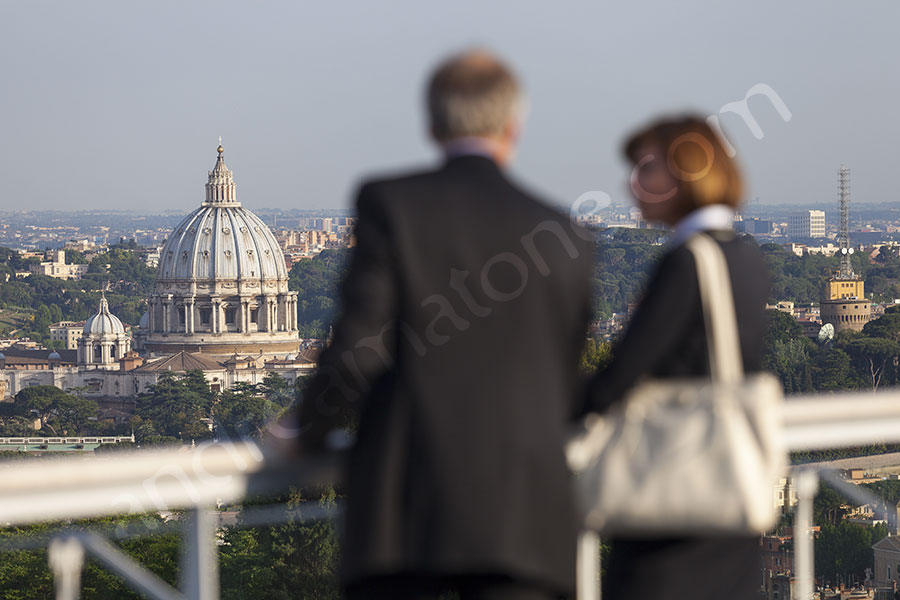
x=807, y=482
x=588, y=569
x=66, y=558
x=200, y=566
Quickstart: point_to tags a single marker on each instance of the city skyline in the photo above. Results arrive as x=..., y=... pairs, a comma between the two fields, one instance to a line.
x=113, y=106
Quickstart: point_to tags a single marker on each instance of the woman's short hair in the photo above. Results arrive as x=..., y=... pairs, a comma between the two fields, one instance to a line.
x=696, y=158
x=471, y=94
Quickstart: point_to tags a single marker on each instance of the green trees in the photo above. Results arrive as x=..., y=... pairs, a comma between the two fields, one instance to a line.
x=596, y=356
x=873, y=358
x=60, y=413
x=129, y=278
x=243, y=411
x=787, y=352
x=624, y=259
x=277, y=389
x=177, y=407
x=122, y=267
x=24, y=574
x=844, y=551
x=831, y=371
x=297, y=559
x=317, y=280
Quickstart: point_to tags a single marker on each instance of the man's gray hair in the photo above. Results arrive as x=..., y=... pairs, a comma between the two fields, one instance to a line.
x=472, y=94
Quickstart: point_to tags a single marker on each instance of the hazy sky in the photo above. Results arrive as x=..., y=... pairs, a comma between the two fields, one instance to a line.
x=120, y=104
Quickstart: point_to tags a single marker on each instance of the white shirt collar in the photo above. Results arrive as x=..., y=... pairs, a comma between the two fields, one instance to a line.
x=706, y=218
x=468, y=146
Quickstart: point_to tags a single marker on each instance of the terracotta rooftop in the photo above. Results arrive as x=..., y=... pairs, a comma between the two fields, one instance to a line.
x=19, y=356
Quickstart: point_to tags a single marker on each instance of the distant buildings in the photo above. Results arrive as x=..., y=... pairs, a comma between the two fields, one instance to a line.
x=845, y=305
x=806, y=224
x=221, y=304
x=754, y=226
x=68, y=332
x=55, y=266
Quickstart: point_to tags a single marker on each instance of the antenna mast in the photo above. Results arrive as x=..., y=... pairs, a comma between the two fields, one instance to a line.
x=844, y=237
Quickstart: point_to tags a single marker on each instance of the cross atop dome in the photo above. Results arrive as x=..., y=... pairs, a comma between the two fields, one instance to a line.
x=220, y=187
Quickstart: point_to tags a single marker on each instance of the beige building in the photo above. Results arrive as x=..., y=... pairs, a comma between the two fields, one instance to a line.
x=55, y=266
x=845, y=305
x=846, y=314
x=841, y=289
x=68, y=332
x=887, y=561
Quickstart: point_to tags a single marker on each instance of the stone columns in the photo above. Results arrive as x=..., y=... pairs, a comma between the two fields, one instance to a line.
x=273, y=308
x=278, y=306
x=245, y=315
x=189, y=318
x=292, y=312
x=216, y=315
x=165, y=319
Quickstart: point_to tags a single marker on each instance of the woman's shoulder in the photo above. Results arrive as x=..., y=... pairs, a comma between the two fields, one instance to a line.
x=740, y=254
x=735, y=247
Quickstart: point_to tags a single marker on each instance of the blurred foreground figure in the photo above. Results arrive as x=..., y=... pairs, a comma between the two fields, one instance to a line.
x=464, y=311
x=683, y=178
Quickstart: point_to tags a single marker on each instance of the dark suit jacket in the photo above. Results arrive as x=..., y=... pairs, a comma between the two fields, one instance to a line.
x=666, y=338
x=464, y=314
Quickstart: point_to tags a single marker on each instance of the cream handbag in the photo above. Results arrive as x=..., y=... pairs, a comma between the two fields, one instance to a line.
x=687, y=457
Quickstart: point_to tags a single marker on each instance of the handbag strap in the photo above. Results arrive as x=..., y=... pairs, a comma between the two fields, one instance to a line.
x=717, y=302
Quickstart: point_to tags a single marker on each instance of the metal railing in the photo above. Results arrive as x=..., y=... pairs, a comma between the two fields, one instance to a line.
x=200, y=478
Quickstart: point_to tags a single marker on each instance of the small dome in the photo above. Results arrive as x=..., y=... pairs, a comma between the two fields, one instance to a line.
x=145, y=320
x=104, y=322
x=290, y=357
x=54, y=356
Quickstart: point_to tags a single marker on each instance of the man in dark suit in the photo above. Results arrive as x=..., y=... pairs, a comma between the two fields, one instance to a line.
x=464, y=311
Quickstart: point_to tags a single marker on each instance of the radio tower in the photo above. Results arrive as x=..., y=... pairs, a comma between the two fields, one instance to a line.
x=844, y=237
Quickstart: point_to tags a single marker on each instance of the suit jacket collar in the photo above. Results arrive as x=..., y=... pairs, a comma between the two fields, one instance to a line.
x=476, y=162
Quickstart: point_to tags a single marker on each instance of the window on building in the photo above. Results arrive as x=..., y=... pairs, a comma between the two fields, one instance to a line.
x=254, y=315
x=205, y=315
x=98, y=353
x=229, y=315
x=181, y=315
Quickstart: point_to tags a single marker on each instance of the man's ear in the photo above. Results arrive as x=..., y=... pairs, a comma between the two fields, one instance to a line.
x=512, y=131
